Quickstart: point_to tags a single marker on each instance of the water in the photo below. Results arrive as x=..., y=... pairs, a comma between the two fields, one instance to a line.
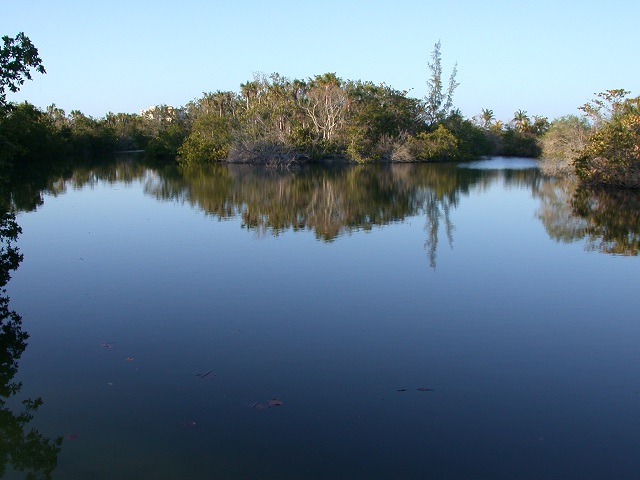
x=339, y=292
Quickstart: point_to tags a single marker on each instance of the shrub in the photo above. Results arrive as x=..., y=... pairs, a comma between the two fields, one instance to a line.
x=440, y=144
x=612, y=154
x=208, y=141
x=562, y=144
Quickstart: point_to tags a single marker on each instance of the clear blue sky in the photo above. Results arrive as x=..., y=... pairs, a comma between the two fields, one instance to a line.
x=545, y=57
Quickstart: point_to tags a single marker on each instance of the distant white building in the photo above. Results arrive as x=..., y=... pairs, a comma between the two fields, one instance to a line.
x=163, y=112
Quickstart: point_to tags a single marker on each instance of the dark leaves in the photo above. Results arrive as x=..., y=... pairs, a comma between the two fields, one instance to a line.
x=17, y=56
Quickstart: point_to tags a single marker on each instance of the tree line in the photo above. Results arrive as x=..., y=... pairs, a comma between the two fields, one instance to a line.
x=277, y=120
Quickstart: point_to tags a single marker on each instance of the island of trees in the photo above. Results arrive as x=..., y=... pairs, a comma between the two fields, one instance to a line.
x=275, y=120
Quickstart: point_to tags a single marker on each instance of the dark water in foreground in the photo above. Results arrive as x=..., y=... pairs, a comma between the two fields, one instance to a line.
x=423, y=321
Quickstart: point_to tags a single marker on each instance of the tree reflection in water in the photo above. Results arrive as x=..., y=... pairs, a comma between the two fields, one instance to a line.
x=330, y=201
x=335, y=200
x=22, y=449
x=555, y=210
x=612, y=219
x=607, y=219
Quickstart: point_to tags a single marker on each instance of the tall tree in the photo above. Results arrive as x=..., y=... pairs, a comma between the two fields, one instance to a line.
x=325, y=103
x=438, y=102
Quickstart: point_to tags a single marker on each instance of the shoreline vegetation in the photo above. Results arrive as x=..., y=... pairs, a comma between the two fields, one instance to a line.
x=276, y=121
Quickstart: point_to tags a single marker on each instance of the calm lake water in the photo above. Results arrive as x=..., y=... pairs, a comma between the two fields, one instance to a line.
x=478, y=321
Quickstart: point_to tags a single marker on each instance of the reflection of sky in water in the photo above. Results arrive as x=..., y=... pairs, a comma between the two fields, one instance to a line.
x=501, y=163
x=528, y=344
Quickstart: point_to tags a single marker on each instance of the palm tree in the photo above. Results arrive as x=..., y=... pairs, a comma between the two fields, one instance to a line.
x=249, y=90
x=497, y=126
x=487, y=117
x=540, y=124
x=521, y=120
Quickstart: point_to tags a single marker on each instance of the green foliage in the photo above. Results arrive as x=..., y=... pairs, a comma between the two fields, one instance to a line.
x=486, y=118
x=26, y=135
x=164, y=129
x=166, y=142
x=377, y=113
x=438, y=145
x=218, y=103
x=128, y=129
x=521, y=121
x=360, y=147
x=472, y=141
x=517, y=143
x=17, y=57
x=612, y=154
x=539, y=126
x=270, y=122
x=302, y=140
x=89, y=136
x=209, y=140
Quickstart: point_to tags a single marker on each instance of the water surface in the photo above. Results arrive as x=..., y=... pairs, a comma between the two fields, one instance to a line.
x=414, y=321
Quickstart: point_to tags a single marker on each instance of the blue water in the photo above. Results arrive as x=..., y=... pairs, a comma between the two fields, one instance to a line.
x=528, y=345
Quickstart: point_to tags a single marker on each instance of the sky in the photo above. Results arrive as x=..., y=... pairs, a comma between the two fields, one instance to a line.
x=544, y=57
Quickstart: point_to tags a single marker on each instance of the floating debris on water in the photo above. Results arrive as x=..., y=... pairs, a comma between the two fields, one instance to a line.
x=421, y=389
x=128, y=359
x=274, y=402
x=207, y=375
